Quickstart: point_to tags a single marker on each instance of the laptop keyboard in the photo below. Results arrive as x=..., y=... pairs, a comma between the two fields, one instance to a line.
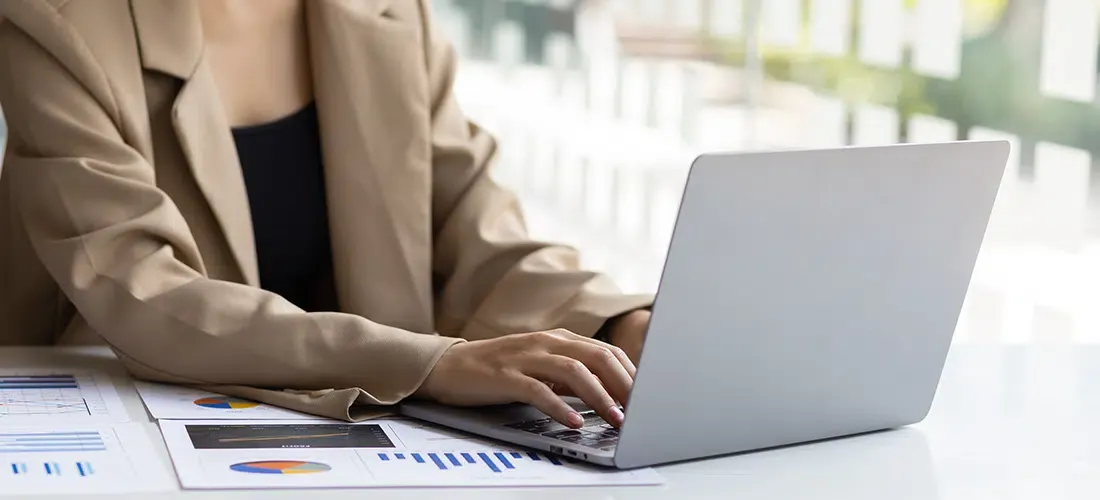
x=596, y=433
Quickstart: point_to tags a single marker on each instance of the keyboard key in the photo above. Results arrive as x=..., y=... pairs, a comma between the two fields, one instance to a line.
x=563, y=433
x=607, y=433
x=587, y=441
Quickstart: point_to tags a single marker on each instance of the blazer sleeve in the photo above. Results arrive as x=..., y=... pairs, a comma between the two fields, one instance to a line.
x=123, y=254
x=493, y=279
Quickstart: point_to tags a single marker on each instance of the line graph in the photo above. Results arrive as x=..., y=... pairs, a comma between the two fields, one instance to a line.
x=34, y=396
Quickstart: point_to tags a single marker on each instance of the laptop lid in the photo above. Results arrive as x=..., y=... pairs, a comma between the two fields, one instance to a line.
x=808, y=295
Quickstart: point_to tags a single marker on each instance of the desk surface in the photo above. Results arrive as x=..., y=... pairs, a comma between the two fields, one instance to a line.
x=1009, y=422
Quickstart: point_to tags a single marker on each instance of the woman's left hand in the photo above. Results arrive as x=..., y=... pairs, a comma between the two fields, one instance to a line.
x=628, y=333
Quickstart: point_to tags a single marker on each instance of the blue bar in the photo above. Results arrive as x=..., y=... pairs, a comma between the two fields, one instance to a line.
x=383, y=457
x=44, y=378
x=54, y=450
x=453, y=459
x=469, y=458
x=504, y=460
x=488, y=461
x=400, y=456
x=49, y=434
x=80, y=467
x=88, y=467
x=47, y=441
x=534, y=456
x=516, y=454
x=419, y=459
x=42, y=439
x=554, y=460
x=438, y=462
x=14, y=469
x=4, y=386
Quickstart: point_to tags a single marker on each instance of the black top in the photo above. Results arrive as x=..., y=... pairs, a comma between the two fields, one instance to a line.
x=284, y=176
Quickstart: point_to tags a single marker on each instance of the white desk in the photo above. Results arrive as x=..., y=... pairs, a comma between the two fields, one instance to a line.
x=1008, y=423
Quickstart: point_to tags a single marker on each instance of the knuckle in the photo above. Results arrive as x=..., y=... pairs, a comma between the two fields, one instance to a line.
x=574, y=368
x=544, y=337
x=607, y=354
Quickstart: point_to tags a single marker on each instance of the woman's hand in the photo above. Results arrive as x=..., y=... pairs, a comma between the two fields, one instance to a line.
x=529, y=368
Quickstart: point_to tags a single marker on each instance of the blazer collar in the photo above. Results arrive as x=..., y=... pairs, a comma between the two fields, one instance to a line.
x=170, y=31
x=371, y=92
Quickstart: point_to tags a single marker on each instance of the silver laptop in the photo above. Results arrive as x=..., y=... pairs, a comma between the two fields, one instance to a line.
x=806, y=295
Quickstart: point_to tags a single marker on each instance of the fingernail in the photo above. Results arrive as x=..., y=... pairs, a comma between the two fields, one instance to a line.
x=575, y=420
x=617, y=416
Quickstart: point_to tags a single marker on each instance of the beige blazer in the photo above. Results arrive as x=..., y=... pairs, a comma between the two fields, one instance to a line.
x=123, y=212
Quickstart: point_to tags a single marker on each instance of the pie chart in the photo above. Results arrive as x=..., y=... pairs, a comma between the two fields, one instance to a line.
x=226, y=403
x=281, y=467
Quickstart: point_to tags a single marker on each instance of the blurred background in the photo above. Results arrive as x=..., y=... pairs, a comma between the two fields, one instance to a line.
x=601, y=105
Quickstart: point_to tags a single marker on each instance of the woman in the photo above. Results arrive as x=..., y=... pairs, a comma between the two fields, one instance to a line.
x=281, y=197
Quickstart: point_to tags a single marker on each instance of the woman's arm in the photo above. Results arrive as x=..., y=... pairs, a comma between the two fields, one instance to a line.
x=123, y=254
x=495, y=279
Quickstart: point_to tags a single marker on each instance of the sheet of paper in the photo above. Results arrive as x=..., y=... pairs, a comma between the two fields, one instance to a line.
x=80, y=460
x=382, y=453
x=42, y=397
x=175, y=402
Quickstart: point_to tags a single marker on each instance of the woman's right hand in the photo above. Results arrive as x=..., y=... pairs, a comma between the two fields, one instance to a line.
x=529, y=368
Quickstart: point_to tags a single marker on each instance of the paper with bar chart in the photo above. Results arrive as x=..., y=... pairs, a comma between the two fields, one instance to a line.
x=79, y=460
x=184, y=403
x=44, y=397
x=383, y=453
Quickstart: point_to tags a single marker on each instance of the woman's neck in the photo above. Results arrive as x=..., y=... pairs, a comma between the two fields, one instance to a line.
x=258, y=51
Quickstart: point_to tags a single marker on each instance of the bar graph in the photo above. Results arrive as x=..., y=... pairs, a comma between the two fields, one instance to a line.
x=38, y=382
x=494, y=461
x=51, y=442
x=54, y=469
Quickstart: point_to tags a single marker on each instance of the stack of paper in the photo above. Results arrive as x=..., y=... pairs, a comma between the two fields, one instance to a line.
x=391, y=453
x=59, y=435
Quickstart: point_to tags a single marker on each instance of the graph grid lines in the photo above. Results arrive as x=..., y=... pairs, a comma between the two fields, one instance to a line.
x=49, y=395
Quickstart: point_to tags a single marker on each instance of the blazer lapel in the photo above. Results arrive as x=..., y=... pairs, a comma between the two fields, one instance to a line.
x=371, y=92
x=171, y=42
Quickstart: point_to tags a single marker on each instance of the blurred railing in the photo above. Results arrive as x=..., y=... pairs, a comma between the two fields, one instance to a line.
x=597, y=132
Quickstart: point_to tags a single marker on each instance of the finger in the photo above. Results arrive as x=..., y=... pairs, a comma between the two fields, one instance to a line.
x=535, y=393
x=601, y=360
x=563, y=390
x=620, y=355
x=581, y=381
